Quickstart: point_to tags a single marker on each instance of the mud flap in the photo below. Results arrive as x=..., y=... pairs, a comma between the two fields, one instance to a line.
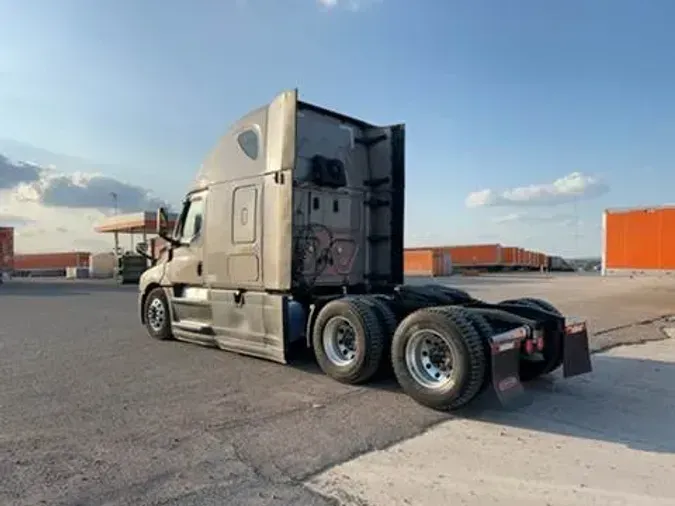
x=576, y=352
x=505, y=352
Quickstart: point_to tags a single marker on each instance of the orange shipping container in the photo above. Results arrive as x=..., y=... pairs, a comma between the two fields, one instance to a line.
x=530, y=258
x=525, y=258
x=51, y=260
x=521, y=256
x=418, y=262
x=426, y=262
x=475, y=255
x=510, y=255
x=538, y=259
x=639, y=240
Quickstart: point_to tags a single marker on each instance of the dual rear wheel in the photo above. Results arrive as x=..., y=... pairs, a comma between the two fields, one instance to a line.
x=438, y=355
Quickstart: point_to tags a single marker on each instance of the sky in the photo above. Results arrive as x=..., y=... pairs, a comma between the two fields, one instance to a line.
x=524, y=119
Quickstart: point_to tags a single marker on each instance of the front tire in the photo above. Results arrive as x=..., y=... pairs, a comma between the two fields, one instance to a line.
x=438, y=358
x=157, y=316
x=348, y=340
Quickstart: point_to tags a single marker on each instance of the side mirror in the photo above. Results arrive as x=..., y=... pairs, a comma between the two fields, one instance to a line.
x=162, y=223
x=142, y=248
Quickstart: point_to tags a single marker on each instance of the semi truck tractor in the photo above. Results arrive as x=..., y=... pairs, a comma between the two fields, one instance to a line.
x=291, y=236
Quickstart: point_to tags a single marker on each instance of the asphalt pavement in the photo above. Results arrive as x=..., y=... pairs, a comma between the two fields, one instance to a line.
x=94, y=412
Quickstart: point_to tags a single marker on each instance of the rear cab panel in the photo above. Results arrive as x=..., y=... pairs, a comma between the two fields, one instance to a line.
x=348, y=202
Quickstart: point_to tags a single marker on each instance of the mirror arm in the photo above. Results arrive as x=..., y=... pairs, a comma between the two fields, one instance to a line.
x=161, y=221
x=173, y=242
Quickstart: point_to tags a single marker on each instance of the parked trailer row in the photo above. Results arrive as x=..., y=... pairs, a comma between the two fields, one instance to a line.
x=443, y=260
x=52, y=260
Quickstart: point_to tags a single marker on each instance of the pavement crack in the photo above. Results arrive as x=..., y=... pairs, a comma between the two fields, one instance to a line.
x=611, y=346
x=617, y=343
x=256, y=421
x=639, y=323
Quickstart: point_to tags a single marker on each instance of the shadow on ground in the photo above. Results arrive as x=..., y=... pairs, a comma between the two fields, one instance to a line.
x=627, y=401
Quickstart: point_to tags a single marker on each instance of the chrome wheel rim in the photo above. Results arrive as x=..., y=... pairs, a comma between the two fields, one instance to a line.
x=429, y=359
x=339, y=341
x=156, y=315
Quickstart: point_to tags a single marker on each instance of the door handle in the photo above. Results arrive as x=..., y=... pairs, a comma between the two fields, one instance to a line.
x=199, y=269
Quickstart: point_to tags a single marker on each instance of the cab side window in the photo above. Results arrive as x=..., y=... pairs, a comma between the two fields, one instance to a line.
x=192, y=224
x=249, y=143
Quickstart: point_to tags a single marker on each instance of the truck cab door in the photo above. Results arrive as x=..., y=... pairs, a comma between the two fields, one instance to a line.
x=189, y=296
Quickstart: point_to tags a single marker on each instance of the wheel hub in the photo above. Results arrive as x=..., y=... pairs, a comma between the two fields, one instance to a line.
x=339, y=341
x=156, y=315
x=430, y=359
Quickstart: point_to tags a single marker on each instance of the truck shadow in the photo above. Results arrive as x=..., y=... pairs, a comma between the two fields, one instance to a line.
x=626, y=401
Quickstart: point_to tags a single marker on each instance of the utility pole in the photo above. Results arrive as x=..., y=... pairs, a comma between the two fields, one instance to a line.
x=116, y=234
x=576, y=225
x=114, y=197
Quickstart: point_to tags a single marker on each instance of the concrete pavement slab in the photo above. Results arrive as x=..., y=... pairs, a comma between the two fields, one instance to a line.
x=603, y=439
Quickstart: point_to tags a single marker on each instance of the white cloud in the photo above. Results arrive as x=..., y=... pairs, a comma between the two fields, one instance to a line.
x=507, y=218
x=58, y=211
x=568, y=220
x=574, y=186
x=352, y=5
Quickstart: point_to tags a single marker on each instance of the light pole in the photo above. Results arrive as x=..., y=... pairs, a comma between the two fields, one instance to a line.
x=116, y=233
x=114, y=197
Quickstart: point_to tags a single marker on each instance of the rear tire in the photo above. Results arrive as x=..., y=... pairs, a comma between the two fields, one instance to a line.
x=542, y=304
x=388, y=321
x=451, y=294
x=421, y=347
x=348, y=340
x=485, y=331
x=385, y=314
x=157, y=316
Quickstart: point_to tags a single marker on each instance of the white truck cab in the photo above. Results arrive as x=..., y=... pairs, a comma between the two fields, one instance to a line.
x=292, y=232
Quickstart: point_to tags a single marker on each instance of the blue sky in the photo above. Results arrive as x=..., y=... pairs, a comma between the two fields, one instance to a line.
x=496, y=95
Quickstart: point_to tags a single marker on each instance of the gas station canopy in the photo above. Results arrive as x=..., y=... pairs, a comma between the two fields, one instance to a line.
x=134, y=223
x=131, y=265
